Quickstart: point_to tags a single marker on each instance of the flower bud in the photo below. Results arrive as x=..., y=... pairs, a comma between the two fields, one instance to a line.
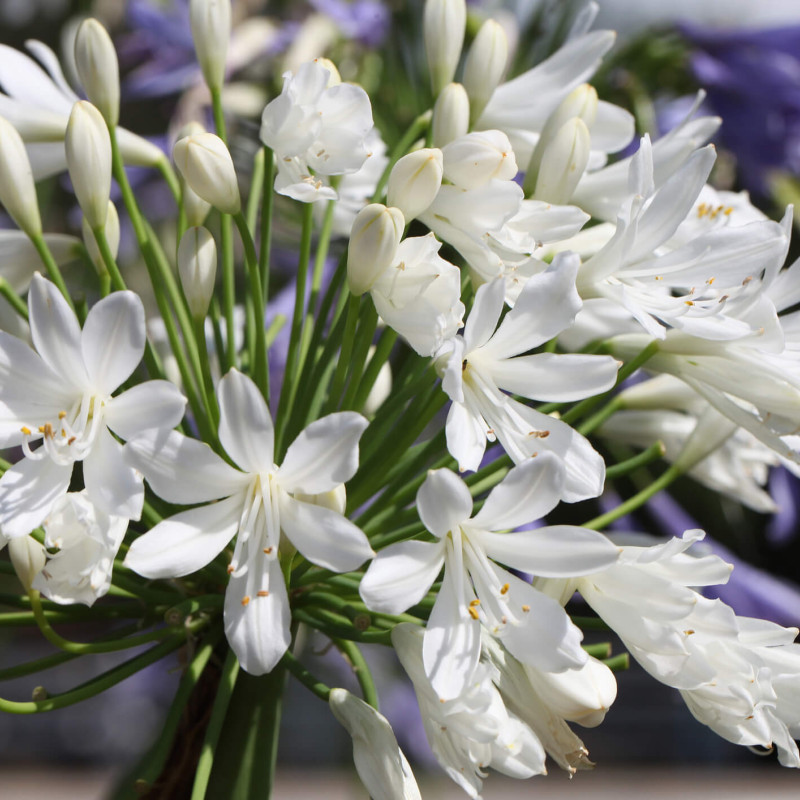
x=211, y=31
x=379, y=761
x=28, y=558
x=98, y=68
x=334, y=500
x=380, y=390
x=450, y=114
x=335, y=78
x=207, y=166
x=374, y=239
x=194, y=207
x=112, y=237
x=414, y=181
x=485, y=66
x=197, y=266
x=473, y=160
x=17, y=189
x=88, y=149
x=444, y=23
x=563, y=163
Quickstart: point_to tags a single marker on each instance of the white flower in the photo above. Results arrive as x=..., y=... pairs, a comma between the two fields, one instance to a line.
x=475, y=592
x=475, y=368
x=374, y=238
x=316, y=129
x=60, y=396
x=87, y=540
x=258, y=502
x=380, y=762
x=206, y=165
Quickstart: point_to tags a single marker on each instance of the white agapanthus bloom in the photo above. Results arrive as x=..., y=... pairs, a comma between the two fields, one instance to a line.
x=60, y=397
x=419, y=295
x=478, y=367
x=317, y=128
x=475, y=591
x=38, y=104
x=257, y=503
x=472, y=731
x=87, y=540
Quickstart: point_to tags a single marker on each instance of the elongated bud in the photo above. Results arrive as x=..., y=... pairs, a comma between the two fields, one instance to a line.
x=378, y=759
x=563, y=163
x=414, y=181
x=485, y=66
x=194, y=207
x=88, y=148
x=444, y=23
x=112, y=237
x=17, y=189
x=374, y=239
x=450, y=114
x=28, y=558
x=380, y=390
x=98, y=68
x=197, y=266
x=211, y=30
x=207, y=166
x=473, y=160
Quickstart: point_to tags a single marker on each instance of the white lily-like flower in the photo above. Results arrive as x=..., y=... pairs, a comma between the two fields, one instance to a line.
x=475, y=368
x=38, y=104
x=256, y=503
x=87, y=540
x=475, y=591
x=60, y=395
x=316, y=130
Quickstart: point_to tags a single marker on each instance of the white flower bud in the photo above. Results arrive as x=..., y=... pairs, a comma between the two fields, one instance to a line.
x=112, y=237
x=194, y=207
x=335, y=78
x=17, y=189
x=379, y=761
x=197, y=266
x=380, y=390
x=450, y=114
x=88, y=149
x=563, y=163
x=98, y=68
x=473, y=160
x=414, y=181
x=211, y=31
x=374, y=239
x=207, y=166
x=334, y=500
x=444, y=23
x=28, y=558
x=485, y=65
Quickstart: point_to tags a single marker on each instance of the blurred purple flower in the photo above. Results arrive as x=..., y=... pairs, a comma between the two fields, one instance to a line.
x=365, y=21
x=785, y=491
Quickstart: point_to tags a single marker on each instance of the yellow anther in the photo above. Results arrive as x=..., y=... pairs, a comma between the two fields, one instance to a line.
x=472, y=612
x=62, y=414
x=71, y=439
x=246, y=600
x=710, y=281
x=26, y=430
x=689, y=632
x=728, y=211
x=231, y=569
x=41, y=429
x=526, y=609
x=267, y=550
x=475, y=602
x=263, y=593
x=689, y=302
x=505, y=589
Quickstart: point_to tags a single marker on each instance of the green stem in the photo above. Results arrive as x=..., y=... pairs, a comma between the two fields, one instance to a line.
x=52, y=267
x=308, y=680
x=351, y=323
x=415, y=130
x=14, y=300
x=361, y=670
x=256, y=189
x=170, y=178
x=653, y=453
x=267, y=203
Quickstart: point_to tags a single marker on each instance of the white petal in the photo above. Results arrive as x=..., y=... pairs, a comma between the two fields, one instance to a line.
x=113, y=485
x=400, y=576
x=187, y=541
x=113, y=340
x=183, y=470
x=485, y=313
x=558, y=551
x=55, y=332
x=466, y=436
x=153, y=404
x=27, y=493
x=324, y=455
x=443, y=502
x=258, y=628
x=324, y=537
x=526, y=494
x=245, y=426
x=452, y=643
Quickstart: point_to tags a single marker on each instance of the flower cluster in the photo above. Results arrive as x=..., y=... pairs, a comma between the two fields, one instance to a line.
x=501, y=260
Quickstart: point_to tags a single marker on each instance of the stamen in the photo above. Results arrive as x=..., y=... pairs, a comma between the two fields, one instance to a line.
x=263, y=593
x=526, y=609
x=505, y=589
x=246, y=600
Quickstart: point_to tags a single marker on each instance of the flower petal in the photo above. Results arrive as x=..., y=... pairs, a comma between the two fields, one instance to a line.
x=183, y=470
x=324, y=455
x=466, y=436
x=443, y=502
x=485, y=313
x=187, y=541
x=112, y=485
x=27, y=493
x=400, y=575
x=324, y=537
x=113, y=340
x=245, y=426
x=153, y=404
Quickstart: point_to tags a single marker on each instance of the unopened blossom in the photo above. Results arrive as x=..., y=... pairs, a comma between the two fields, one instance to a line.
x=59, y=396
x=257, y=503
x=211, y=32
x=450, y=115
x=374, y=239
x=98, y=68
x=197, y=267
x=17, y=189
x=415, y=180
x=476, y=593
x=206, y=165
x=444, y=24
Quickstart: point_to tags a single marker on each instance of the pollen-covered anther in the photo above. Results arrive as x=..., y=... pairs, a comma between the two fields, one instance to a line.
x=473, y=612
x=231, y=569
x=474, y=602
x=263, y=593
x=689, y=302
x=689, y=632
x=267, y=550
x=62, y=414
x=71, y=439
x=26, y=430
x=526, y=608
x=246, y=600
x=504, y=589
x=710, y=281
